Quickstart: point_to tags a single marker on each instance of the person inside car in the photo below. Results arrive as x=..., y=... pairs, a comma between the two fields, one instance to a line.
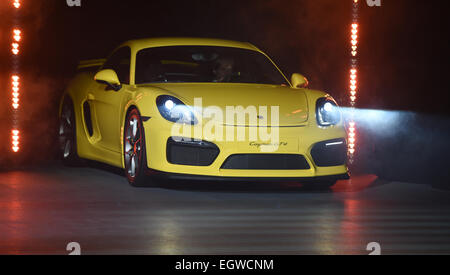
x=223, y=70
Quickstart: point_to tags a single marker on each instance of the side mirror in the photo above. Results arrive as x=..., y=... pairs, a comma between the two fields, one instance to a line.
x=299, y=81
x=108, y=77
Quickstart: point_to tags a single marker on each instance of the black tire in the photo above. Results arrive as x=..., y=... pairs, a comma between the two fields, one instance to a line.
x=134, y=150
x=67, y=135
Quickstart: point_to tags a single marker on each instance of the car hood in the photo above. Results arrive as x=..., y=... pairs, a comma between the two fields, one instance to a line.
x=292, y=103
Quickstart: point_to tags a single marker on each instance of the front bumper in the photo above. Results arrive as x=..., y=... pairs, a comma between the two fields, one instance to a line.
x=190, y=177
x=296, y=140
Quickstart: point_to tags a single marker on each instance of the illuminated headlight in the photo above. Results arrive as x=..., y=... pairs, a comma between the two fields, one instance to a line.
x=327, y=112
x=172, y=109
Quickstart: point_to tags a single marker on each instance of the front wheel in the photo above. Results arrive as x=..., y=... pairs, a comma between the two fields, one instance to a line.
x=135, y=155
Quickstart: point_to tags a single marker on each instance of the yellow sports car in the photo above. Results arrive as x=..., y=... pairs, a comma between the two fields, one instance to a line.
x=195, y=108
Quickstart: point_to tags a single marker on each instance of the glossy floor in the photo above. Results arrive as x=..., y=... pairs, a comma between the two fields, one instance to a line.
x=43, y=209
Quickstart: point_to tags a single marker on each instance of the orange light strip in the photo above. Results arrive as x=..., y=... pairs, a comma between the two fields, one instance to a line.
x=17, y=35
x=15, y=91
x=15, y=48
x=351, y=137
x=16, y=4
x=15, y=83
x=15, y=140
x=354, y=39
x=353, y=85
x=16, y=38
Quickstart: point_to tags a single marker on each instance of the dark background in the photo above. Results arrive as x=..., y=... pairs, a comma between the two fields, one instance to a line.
x=403, y=43
x=403, y=57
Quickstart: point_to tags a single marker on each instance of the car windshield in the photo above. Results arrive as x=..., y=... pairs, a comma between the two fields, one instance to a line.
x=205, y=64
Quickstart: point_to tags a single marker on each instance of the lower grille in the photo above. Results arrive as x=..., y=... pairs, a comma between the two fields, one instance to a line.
x=195, y=153
x=266, y=162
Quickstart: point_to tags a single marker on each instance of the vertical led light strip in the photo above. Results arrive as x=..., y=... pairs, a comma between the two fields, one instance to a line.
x=354, y=29
x=16, y=38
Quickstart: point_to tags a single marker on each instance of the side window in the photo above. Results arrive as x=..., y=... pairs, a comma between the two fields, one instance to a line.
x=119, y=61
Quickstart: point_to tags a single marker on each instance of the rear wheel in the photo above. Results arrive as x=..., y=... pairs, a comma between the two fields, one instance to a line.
x=67, y=135
x=135, y=156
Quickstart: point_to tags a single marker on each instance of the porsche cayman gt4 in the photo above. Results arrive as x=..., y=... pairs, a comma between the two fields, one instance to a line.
x=200, y=109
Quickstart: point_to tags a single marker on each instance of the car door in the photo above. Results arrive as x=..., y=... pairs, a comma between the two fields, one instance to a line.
x=108, y=103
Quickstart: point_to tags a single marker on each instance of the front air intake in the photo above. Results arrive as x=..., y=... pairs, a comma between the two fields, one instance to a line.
x=266, y=162
x=330, y=153
x=190, y=152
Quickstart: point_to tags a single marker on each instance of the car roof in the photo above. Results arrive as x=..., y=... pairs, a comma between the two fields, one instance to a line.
x=140, y=44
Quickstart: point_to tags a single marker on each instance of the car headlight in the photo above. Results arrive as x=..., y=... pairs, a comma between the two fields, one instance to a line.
x=172, y=109
x=327, y=112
